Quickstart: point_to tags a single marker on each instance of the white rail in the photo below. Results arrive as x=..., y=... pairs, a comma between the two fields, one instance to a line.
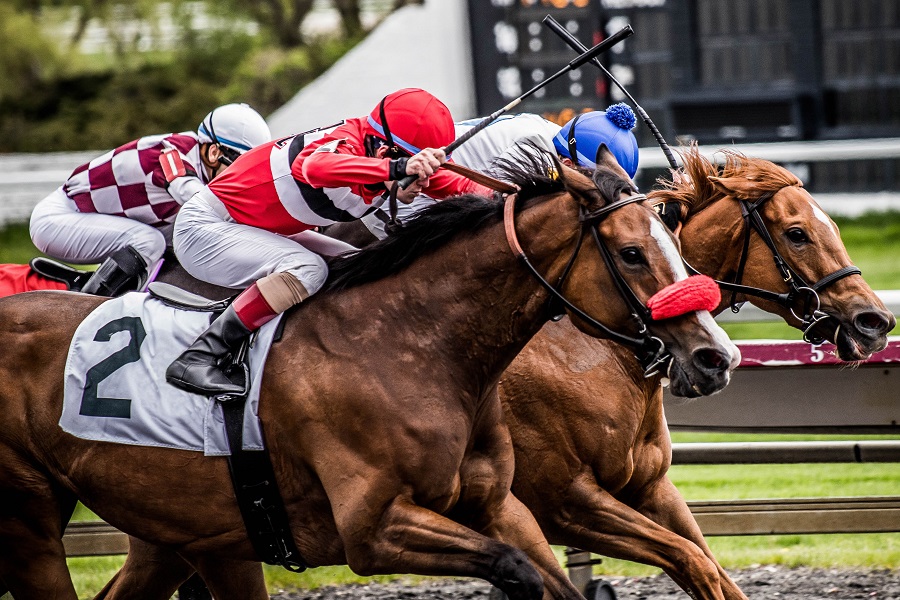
x=25, y=179
x=752, y=314
x=796, y=155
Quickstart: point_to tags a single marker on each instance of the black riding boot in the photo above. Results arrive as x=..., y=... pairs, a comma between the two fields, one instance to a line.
x=197, y=369
x=123, y=271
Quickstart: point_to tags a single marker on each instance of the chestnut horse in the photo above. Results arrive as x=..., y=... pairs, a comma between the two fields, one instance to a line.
x=379, y=404
x=592, y=449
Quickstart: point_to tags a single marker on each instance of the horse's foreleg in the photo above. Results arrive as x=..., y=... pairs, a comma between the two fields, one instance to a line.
x=406, y=538
x=595, y=521
x=514, y=524
x=32, y=556
x=663, y=504
x=149, y=572
x=232, y=579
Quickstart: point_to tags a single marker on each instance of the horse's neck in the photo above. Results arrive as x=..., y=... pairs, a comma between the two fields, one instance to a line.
x=471, y=305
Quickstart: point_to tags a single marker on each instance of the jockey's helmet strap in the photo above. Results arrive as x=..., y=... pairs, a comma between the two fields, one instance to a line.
x=384, y=125
x=573, y=150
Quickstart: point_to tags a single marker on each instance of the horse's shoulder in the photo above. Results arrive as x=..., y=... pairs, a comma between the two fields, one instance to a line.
x=46, y=309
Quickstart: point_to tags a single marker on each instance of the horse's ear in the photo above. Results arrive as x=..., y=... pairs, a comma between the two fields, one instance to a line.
x=738, y=187
x=579, y=184
x=606, y=158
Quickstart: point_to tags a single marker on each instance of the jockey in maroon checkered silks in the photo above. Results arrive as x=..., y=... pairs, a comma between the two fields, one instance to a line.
x=252, y=227
x=118, y=209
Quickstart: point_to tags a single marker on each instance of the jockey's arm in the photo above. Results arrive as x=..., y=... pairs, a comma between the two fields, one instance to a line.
x=181, y=180
x=337, y=167
x=182, y=188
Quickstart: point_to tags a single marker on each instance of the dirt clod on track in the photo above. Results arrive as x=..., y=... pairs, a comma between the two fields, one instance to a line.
x=762, y=583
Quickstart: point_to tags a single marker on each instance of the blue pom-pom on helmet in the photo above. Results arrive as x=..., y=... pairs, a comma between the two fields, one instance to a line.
x=592, y=130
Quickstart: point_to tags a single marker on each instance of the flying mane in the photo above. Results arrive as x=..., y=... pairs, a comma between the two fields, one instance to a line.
x=697, y=192
x=435, y=226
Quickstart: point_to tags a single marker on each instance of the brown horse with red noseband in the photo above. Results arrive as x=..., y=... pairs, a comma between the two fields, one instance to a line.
x=379, y=404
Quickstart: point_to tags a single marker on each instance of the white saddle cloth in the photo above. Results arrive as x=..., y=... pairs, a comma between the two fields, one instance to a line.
x=115, y=386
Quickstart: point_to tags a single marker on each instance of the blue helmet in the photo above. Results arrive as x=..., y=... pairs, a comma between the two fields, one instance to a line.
x=592, y=130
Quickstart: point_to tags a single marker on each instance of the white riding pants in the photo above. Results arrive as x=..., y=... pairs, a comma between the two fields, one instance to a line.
x=212, y=247
x=59, y=230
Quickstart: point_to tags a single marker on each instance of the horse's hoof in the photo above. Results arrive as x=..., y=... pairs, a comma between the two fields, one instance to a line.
x=514, y=575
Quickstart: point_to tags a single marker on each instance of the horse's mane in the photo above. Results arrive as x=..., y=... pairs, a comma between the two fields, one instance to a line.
x=696, y=192
x=534, y=175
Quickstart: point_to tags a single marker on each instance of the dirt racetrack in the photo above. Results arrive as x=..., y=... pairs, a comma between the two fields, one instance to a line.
x=762, y=583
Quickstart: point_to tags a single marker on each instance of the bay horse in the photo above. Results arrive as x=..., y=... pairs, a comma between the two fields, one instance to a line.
x=379, y=403
x=592, y=449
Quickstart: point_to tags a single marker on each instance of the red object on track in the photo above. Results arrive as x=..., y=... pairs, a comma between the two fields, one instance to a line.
x=20, y=278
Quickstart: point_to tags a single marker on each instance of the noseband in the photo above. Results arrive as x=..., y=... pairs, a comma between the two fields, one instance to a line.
x=800, y=292
x=649, y=349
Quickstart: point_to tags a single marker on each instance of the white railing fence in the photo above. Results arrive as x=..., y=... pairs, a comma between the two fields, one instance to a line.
x=25, y=179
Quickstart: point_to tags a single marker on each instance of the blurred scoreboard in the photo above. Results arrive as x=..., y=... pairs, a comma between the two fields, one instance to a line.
x=718, y=71
x=512, y=51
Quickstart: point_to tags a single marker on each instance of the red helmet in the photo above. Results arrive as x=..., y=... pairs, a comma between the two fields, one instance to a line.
x=412, y=119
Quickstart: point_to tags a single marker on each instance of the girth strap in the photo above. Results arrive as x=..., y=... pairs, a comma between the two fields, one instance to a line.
x=256, y=489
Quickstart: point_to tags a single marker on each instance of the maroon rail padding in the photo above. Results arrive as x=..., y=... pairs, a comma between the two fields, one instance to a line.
x=784, y=353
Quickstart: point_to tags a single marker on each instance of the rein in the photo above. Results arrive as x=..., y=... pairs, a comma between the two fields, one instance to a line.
x=799, y=290
x=392, y=224
x=650, y=350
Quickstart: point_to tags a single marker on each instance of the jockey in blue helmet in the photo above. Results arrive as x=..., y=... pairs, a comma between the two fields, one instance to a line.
x=581, y=139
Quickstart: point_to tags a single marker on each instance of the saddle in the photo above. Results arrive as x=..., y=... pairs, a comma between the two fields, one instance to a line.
x=185, y=300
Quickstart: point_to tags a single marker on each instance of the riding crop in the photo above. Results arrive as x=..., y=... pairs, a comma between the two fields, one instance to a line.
x=576, y=45
x=575, y=63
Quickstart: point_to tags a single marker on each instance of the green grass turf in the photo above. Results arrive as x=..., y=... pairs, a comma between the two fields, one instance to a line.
x=15, y=244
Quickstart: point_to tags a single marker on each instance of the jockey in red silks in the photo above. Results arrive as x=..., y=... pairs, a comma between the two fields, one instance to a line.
x=250, y=228
x=578, y=143
x=118, y=208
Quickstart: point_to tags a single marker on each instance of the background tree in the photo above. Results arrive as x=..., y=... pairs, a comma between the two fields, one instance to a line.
x=165, y=65
x=281, y=19
x=350, y=17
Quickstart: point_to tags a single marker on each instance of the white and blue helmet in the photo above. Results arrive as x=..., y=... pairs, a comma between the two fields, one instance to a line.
x=592, y=130
x=235, y=128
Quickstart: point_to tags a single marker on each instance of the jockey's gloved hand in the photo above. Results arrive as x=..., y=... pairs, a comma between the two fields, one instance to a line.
x=425, y=163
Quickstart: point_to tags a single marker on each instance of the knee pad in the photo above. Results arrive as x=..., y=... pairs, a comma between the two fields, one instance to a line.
x=282, y=291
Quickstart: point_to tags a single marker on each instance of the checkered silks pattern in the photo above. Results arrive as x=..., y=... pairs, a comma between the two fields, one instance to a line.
x=129, y=181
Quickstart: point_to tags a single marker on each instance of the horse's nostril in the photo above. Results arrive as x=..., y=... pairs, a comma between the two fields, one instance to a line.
x=873, y=323
x=711, y=360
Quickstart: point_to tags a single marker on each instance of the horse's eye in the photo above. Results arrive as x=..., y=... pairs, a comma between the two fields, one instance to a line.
x=632, y=256
x=797, y=235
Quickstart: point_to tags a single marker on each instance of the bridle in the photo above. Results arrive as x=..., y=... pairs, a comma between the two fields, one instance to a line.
x=800, y=291
x=649, y=349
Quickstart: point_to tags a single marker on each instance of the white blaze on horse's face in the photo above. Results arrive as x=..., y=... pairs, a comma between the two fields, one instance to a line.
x=664, y=239
x=820, y=215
